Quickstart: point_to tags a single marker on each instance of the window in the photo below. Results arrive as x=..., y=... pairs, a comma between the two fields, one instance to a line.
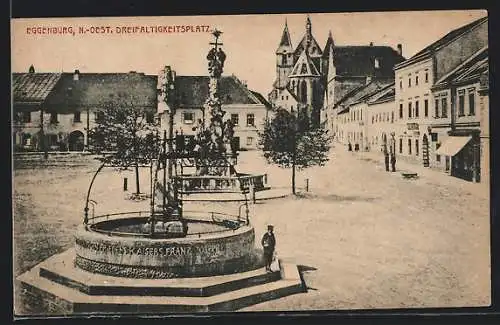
x=417, y=108
x=461, y=104
x=392, y=117
x=283, y=60
x=400, y=111
x=235, y=118
x=426, y=107
x=282, y=97
x=416, y=147
x=436, y=107
x=150, y=117
x=249, y=141
x=409, y=110
x=409, y=82
x=400, y=145
x=377, y=64
x=401, y=84
x=53, y=118
x=416, y=80
x=77, y=117
x=250, y=120
x=373, y=119
x=409, y=146
x=472, y=104
x=438, y=157
x=426, y=76
x=188, y=118
x=361, y=115
x=286, y=97
x=444, y=108
x=26, y=139
x=26, y=117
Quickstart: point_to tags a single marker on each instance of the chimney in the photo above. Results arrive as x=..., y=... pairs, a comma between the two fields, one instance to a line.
x=371, y=43
x=400, y=49
x=76, y=75
x=31, y=69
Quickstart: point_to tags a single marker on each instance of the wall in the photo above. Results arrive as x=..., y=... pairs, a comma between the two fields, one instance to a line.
x=456, y=52
x=380, y=122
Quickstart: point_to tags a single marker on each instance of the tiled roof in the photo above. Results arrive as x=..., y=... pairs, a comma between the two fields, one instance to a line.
x=93, y=90
x=360, y=60
x=363, y=92
x=261, y=99
x=451, y=35
x=193, y=91
x=385, y=94
x=445, y=40
x=33, y=87
x=472, y=68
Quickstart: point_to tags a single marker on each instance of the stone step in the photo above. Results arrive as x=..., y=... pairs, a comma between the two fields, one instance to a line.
x=60, y=269
x=63, y=300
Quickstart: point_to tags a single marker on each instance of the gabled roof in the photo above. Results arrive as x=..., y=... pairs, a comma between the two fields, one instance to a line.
x=193, y=91
x=261, y=99
x=470, y=69
x=304, y=67
x=92, y=90
x=33, y=88
x=314, y=48
x=445, y=40
x=286, y=42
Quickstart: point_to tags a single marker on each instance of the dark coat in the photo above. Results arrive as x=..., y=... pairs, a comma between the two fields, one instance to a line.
x=268, y=242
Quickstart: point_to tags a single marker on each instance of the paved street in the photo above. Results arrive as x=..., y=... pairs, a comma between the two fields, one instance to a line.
x=364, y=238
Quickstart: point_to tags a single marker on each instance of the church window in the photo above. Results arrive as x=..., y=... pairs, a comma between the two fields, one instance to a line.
x=303, y=91
x=283, y=60
x=303, y=69
x=377, y=64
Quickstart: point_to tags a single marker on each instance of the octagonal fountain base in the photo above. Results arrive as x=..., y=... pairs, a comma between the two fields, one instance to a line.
x=116, y=272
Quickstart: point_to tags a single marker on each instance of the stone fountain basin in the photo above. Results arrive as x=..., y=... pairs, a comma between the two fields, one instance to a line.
x=100, y=249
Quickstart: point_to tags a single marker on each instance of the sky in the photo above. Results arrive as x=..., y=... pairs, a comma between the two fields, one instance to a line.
x=250, y=41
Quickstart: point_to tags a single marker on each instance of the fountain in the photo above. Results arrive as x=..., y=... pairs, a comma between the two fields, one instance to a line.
x=166, y=259
x=207, y=163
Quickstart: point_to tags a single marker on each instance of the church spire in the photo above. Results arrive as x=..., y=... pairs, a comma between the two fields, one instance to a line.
x=285, y=43
x=308, y=32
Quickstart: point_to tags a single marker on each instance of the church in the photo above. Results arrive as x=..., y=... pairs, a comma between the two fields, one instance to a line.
x=311, y=79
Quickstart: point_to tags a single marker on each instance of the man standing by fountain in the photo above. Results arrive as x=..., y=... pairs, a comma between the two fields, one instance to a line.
x=268, y=243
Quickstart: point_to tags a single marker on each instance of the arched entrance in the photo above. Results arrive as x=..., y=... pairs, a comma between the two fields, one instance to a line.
x=425, y=150
x=76, y=141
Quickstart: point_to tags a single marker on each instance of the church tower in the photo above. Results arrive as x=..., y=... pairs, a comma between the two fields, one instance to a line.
x=329, y=70
x=284, y=59
x=305, y=83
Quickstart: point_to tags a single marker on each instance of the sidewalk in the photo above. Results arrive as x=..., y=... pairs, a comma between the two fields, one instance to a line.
x=424, y=173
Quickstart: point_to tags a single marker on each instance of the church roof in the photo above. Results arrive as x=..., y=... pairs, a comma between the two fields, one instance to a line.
x=286, y=42
x=362, y=93
x=314, y=48
x=304, y=67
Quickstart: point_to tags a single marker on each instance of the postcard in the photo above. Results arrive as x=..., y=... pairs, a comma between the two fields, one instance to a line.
x=271, y=162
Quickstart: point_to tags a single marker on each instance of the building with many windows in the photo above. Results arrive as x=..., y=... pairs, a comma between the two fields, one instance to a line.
x=424, y=116
x=60, y=108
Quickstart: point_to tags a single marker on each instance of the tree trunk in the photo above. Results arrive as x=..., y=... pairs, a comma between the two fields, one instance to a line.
x=137, y=178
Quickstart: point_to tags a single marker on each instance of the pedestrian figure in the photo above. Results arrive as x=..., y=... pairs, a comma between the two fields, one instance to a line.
x=268, y=243
x=386, y=160
x=349, y=147
x=393, y=162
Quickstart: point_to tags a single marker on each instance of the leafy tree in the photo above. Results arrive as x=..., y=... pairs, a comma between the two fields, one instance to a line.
x=125, y=135
x=289, y=142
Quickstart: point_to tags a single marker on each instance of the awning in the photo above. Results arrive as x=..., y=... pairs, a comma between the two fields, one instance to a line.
x=453, y=145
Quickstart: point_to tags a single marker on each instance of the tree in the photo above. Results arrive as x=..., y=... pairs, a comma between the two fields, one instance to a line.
x=125, y=135
x=289, y=142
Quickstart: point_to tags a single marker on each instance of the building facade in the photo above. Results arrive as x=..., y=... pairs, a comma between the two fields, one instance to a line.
x=424, y=114
x=314, y=78
x=55, y=111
